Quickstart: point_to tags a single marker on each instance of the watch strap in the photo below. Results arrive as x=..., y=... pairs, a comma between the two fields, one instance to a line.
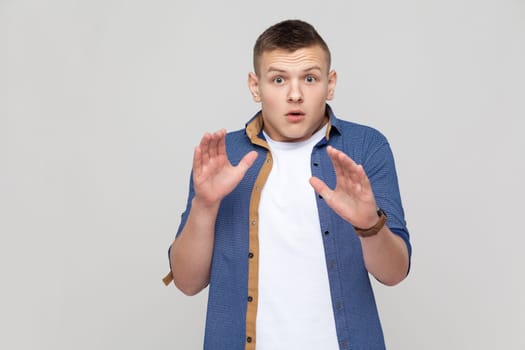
x=362, y=232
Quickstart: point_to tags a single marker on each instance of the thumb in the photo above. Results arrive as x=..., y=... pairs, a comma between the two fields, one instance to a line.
x=247, y=161
x=320, y=187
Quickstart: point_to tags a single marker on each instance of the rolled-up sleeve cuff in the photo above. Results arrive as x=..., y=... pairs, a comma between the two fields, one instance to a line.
x=169, y=277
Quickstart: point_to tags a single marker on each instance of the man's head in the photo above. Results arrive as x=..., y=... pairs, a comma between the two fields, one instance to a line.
x=292, y=80
x=289, y=35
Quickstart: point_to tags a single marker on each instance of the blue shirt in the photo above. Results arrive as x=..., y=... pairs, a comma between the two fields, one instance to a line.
x=232, y=300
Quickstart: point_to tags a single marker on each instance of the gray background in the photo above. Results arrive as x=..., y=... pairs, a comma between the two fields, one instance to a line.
x=101, y=105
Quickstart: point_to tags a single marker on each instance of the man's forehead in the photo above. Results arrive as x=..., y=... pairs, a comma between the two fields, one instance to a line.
x=309, y=58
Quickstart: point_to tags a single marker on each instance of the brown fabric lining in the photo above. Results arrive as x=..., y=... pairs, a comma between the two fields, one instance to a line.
x=253, y=262
x=168, y=278
x=252, y=130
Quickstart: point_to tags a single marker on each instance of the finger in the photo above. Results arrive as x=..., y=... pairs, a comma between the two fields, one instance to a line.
x=344, y=160
x=333, y=154
x=214, y=140
x=320, y=187
x=364, y=180
x=204, y=148
x=356, y=172
x=221, y=145
x=197, y=162
x=246, y=162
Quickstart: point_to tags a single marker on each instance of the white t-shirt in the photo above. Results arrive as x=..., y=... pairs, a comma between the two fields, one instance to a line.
x=294, y=307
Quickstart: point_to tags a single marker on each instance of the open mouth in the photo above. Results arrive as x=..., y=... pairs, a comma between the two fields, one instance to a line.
x=295, y=116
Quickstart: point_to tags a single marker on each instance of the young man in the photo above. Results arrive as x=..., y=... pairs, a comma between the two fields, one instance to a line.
x=286, y=218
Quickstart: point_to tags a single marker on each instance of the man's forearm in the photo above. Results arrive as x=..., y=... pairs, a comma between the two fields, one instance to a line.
x=386, y=256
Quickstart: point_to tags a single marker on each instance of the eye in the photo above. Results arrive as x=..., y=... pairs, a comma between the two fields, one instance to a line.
x=278, y=80
x=310, y=79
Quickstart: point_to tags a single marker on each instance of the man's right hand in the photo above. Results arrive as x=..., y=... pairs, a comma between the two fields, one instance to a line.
x=214, y=176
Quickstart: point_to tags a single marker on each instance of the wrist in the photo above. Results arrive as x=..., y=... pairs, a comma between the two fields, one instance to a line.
x=201, y=203
x=372, y=230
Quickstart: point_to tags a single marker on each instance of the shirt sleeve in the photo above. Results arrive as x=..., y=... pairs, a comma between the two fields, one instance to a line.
x=380, y=168
x=191, y=193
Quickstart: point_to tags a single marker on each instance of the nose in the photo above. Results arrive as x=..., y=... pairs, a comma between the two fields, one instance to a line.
x=294, y=93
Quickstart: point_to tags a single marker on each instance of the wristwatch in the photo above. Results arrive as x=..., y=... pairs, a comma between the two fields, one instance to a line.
x=367, y=232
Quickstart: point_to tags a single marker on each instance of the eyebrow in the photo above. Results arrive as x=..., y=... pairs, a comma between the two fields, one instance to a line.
x=278, y=70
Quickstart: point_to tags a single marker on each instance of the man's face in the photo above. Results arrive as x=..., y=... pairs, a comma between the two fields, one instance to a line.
x=293, y=88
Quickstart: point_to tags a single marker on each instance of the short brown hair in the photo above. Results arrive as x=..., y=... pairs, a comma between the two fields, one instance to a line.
x=291, y=35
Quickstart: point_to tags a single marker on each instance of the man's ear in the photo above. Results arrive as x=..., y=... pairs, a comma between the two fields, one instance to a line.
x=253, y=85
x=332, y=80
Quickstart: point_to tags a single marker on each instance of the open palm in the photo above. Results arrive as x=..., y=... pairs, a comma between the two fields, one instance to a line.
x=352, y=197
x=214, y=176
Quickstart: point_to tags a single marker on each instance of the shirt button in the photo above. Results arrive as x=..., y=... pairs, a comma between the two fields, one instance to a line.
x=316, y=164
x=320, y=196
x=254, y=222
x=250, y=255
x=249, y=339
x=250, y=299
x=326, y=233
